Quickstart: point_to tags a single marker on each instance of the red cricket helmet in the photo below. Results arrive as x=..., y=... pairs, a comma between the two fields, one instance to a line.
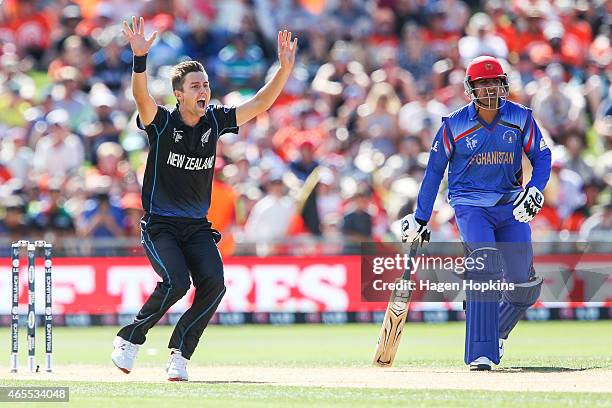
x=485, y=67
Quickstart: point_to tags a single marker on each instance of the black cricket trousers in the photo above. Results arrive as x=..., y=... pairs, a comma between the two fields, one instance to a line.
x=177, y=248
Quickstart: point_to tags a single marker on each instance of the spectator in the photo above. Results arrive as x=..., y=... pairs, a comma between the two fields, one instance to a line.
x=528, y=29
x=559, y=107
x=13, y=224
x=345, y=15
x=111, y=166
x=240, y=64
x=501, y=18
x=408, y=12
x=574, y=26
x=275, y=15
x=424, y=113
x=60, y=152
x=112, y=63
x=249, y=26
x=52, y=217
x=317, y=52
x=598, y=226
x=597, y=82
x=107, y=123
x=30, y=30
x=357, y=222
x=435, y=35
x=306, y=163
x=132, y=208
x=203, y=41
x=69, y=19
x=36, y=116
x=591, y=191
x=12, y=105
x=69, y=97
x=328, y=201
x=16, y=155
x=526, y=70
x=414, y=55
x=453, y=95
x=272, y=15
x=383, y=33
x=332, y=77
x=168, y=48
x=104, y=15
x=564, y=47
x=396, y=76
x=569, y=187
x=73, y=54
x=457, y=15
x=101, y=218
x=378, y=118
x=222, y=211
x=270, y=217
x=481, y=40
x=574, y=144
x=296, y=86
x=406, y=158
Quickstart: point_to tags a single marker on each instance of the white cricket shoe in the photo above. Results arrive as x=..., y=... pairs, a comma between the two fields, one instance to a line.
x=124, y=354
x=501, y=348
x=176, y=367
x=481, y=364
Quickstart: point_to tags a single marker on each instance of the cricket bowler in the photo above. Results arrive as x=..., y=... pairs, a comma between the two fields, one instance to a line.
x=482, y=145
x=177, y=237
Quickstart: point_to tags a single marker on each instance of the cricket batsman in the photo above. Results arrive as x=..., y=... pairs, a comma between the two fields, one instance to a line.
x=482, y=144
x=177, y=238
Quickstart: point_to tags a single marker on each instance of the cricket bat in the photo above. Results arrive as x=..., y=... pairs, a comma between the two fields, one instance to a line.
x=395, y=318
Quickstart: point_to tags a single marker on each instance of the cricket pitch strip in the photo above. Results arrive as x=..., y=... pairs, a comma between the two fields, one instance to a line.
x=502, y=379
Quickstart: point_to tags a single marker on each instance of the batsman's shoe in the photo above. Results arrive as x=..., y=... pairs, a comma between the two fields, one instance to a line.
x=481, y=364
x=124, y=354
x=176, y=366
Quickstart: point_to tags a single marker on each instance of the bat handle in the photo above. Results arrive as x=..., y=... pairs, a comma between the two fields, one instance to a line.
x=411, y=253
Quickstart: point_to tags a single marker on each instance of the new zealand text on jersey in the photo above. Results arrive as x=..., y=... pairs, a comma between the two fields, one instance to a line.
x=190, y=163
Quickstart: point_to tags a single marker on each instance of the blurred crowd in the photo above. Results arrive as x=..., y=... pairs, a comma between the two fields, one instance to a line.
x=340, y=156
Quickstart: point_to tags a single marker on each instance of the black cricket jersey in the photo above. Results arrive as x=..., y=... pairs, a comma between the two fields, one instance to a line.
x=179, y=172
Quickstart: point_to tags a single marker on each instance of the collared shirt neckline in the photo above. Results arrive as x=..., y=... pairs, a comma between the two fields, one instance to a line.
x=203, y=120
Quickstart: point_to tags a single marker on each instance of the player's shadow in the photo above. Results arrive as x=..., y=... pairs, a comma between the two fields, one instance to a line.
x=531, y=369
x=231, y=382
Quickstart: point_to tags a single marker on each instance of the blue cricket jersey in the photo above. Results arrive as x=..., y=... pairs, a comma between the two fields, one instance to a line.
x=484, y=160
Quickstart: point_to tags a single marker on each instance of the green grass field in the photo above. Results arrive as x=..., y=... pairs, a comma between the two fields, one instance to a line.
x=550, y=351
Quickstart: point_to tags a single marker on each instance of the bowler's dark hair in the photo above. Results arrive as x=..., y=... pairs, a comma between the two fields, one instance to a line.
x=180, y=71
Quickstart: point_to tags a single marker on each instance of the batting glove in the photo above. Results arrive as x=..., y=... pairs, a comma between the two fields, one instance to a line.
x=528, y=204
x=413, y=230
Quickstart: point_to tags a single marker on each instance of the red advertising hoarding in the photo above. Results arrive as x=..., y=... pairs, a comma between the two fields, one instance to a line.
x=271, y=284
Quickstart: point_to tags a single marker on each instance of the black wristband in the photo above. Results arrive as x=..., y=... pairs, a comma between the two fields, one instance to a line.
x=140, y=63
x=420, y=222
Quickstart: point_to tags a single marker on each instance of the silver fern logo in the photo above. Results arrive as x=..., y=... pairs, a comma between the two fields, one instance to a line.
x=205, y=136
x=177, y=135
